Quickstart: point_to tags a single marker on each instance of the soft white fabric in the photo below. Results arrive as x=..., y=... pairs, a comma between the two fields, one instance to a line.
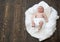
x=37, y=20
x=48, y=11
x=49, y=28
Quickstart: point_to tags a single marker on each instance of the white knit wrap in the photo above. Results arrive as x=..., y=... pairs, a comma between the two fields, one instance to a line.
x=49, y=28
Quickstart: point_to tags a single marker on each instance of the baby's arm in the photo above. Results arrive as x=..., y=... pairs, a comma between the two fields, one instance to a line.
x=44, y=15
x=33, y=24
x=32, y=17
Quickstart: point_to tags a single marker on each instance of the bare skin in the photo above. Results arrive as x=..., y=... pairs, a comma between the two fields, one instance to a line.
x=39, y=14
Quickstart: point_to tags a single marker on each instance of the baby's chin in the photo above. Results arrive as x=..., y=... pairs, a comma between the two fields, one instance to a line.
x=41, y=11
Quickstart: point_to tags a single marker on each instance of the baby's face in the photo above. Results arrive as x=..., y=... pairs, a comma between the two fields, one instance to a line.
x=40, y=9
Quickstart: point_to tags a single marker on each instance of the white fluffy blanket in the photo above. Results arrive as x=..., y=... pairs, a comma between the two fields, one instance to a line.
x=49, y=28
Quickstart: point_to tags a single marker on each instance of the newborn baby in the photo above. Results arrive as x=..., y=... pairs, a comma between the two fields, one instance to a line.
x=39, y=17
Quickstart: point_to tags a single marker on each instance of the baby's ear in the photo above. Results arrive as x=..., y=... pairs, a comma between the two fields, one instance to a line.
x=48, y=11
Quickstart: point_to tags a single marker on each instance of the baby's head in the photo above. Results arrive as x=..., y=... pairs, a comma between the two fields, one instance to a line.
x=40, y=9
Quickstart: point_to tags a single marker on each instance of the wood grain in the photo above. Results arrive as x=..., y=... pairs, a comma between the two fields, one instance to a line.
x=12, y=17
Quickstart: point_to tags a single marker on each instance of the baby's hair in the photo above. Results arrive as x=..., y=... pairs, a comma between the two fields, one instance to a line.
x=41, y=7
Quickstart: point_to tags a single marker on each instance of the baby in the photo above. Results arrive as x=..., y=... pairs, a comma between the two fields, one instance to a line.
x=39, y=17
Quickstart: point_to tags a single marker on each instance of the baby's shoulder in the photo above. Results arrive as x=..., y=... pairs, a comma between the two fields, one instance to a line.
x=43, y=13
x=35, y=13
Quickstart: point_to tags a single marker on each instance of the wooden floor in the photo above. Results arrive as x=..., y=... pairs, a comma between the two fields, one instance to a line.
x=12, y=17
